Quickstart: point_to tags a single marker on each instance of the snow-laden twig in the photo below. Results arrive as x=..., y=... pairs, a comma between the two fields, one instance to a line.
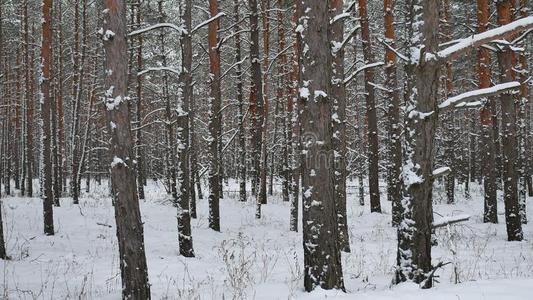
x=479, y=39
x=206, y=22
x=180, y=29
x=168, y=69
x=480, y=93
x=354, y=74
x=441, y=171
x=340, y=17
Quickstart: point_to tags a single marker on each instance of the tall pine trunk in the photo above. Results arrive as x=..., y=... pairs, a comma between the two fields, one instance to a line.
x=508, y=133
x=490, y=213
x=371, y=114
x=215, y=187
x=395, y=146
x=46, y=154
x=130, y=236
x=322, y=257
x=338, y=96
x=183, y=171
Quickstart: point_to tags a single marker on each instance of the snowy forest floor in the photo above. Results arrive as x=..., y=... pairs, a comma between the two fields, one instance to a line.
x=251, y=259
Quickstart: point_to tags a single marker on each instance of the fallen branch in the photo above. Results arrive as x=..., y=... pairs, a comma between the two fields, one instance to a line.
x=450, y=220
x=103, y=224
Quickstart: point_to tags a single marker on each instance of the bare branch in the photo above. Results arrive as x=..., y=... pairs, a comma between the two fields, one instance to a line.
x=480, y=93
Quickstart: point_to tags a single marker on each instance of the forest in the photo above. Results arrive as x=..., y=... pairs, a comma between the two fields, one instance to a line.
x=266, y=149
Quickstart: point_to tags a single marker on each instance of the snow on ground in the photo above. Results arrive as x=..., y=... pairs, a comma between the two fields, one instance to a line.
x=250, y=259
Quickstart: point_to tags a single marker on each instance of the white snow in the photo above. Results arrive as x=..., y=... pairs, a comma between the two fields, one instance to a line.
x=258, y=259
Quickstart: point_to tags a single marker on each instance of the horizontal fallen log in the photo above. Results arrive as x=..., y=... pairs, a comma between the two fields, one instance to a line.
x=450, y=220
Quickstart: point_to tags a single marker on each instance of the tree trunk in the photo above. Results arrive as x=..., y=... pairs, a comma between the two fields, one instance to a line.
x=522, y=127
x=45, y=99
x=256, y=95
x=322, y=258
x=510, y=150
x=338, y=95
x=28, y=160
x=256, y=103
x=450, y=122
x=3, y=89
x=78, y=68
x=371, y=114
x=59, y=103
x=284, y=92
x=414, y=233
x=214, y=120
x=265, y=5
x=393, y=113
x=184, y=195
x=490, y=214
x=293, y=116
x=241, y=140
x=130, y=237
x=138, y=111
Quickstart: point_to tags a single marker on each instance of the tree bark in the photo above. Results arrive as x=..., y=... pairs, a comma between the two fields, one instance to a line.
x=414, y=232
x=241, y=140
x=138, y=111
x=371, y=114
x=45, y=99
x=183, y=174
x=322, y=258
x=393, y=113
x=293, y=116
x=3, y=90
x=508, y=133
x=256, y=95
x=130, y=237
x=490, y=213
x=28, y=160
x=214, y=120
x=338, y=96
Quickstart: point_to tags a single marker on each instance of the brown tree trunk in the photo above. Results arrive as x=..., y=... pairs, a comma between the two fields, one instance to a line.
x=46, y=179
x=3, y=90
x=215, y=187
x=284, y=93
x=490, y=214
x=338, y=96
x=265, y=5
x=293, y=116
x=450, y=122
x=28, y=160
x=59, y=104
x=322, y=258
x=395, y=131
x=510, y=150
x=371, y=114
x=256, y=95
x=77, y=91
x=414, y=233
x=241, y=140
x=138, y=111
x=256, y=102
x=130, y=237
x=183, y=172
x=522, y=127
